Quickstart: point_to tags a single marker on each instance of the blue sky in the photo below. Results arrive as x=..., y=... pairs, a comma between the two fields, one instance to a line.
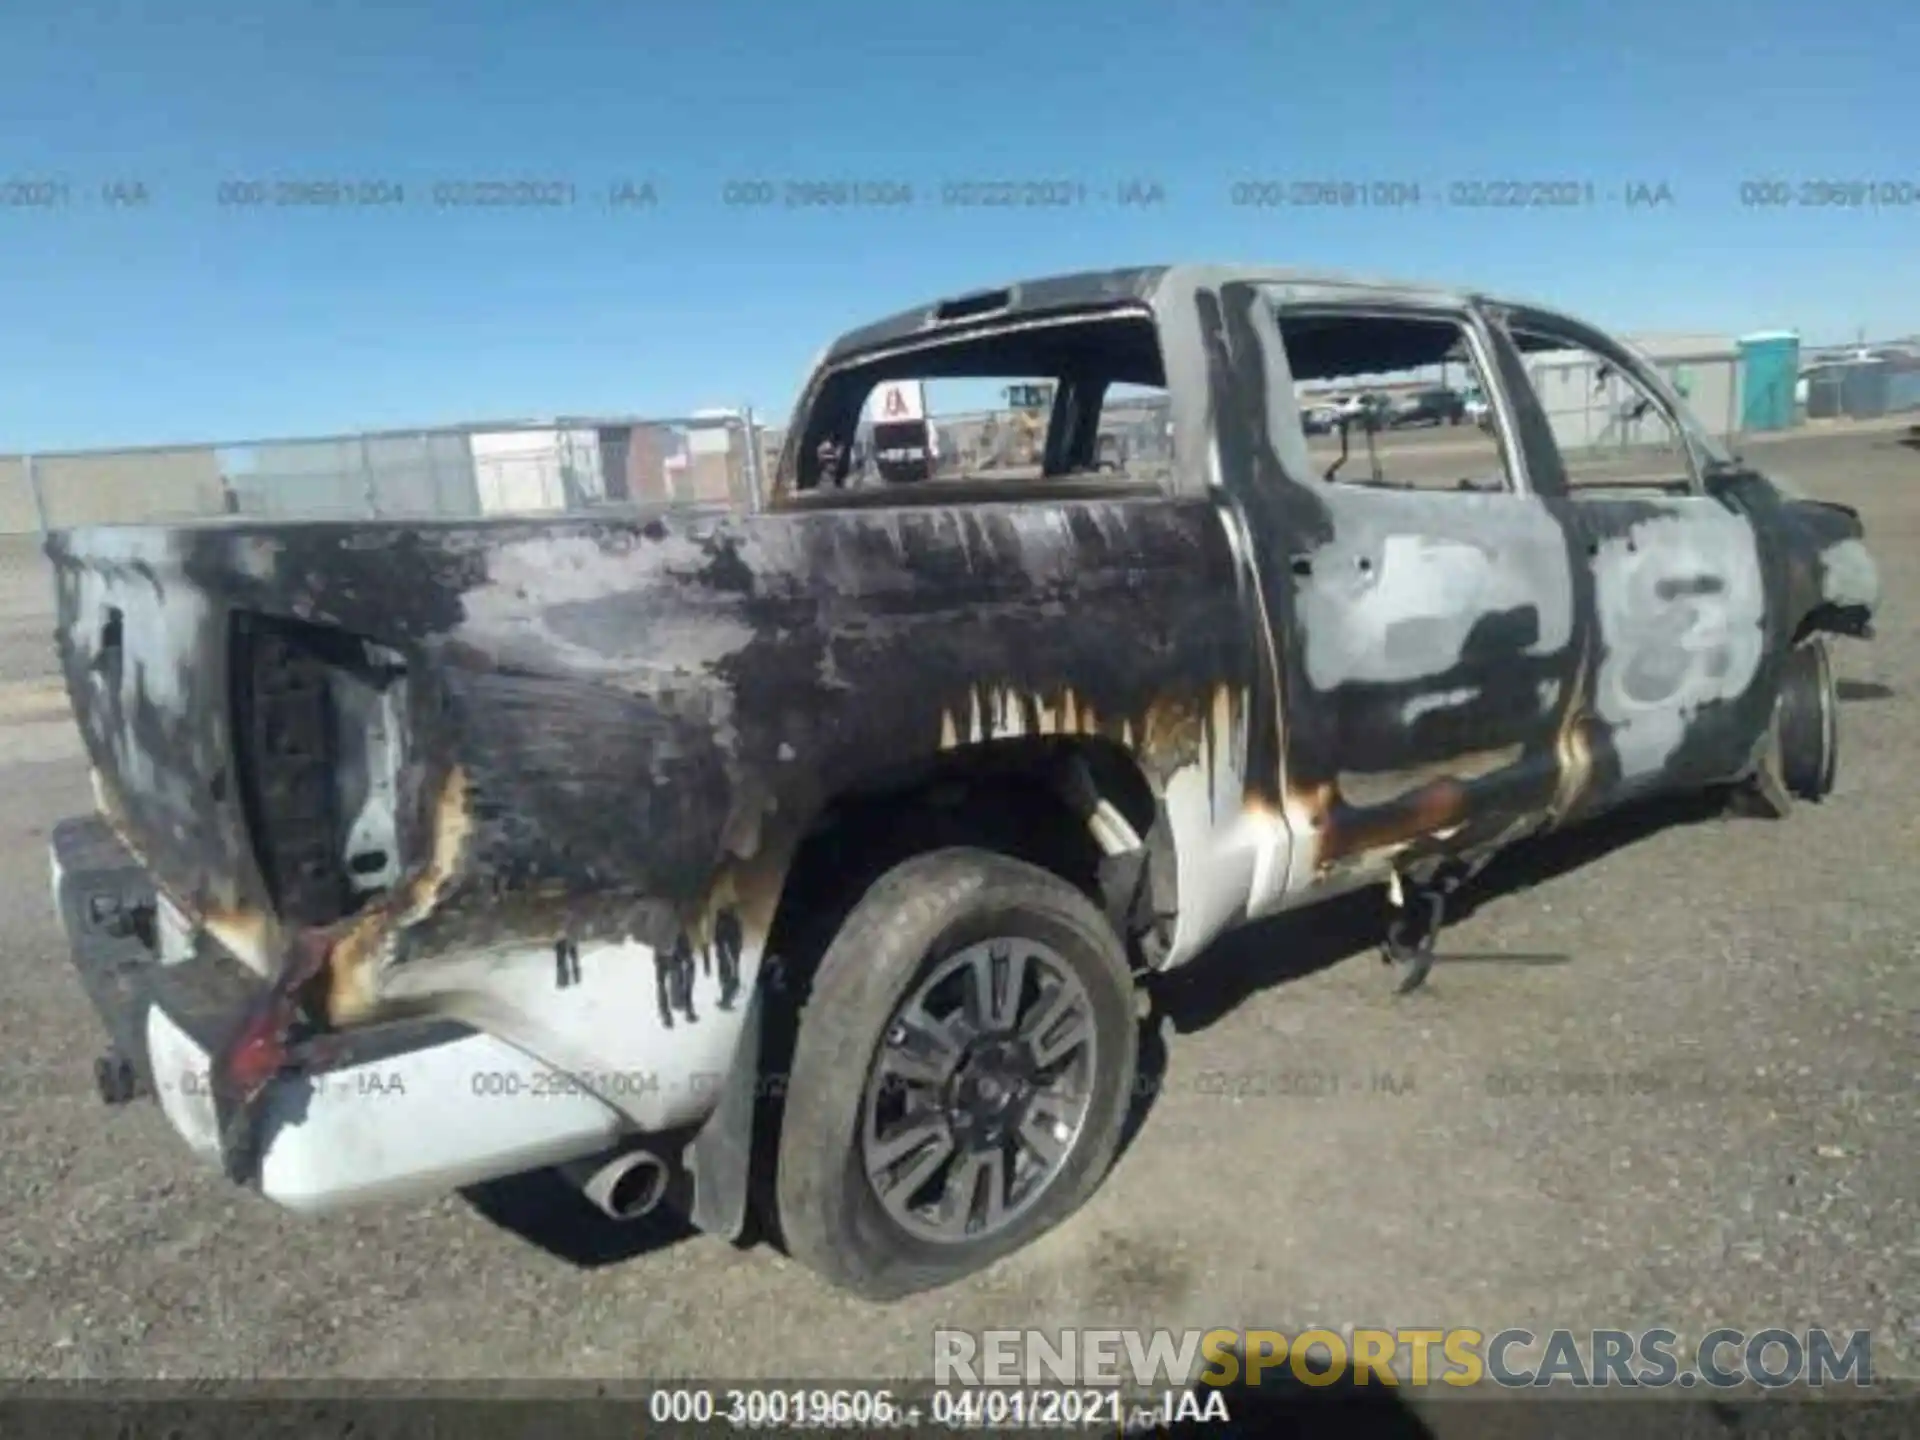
x=183, y=318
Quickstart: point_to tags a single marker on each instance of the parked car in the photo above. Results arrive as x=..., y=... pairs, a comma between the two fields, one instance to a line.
x=1438, y=406
x=433, y=851
x=1320, y=419
x=1355, y=409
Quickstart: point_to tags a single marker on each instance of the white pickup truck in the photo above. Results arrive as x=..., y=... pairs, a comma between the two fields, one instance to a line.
x=816, y=852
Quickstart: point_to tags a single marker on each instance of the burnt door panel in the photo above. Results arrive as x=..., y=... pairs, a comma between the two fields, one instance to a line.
x=1430, y=659
x=1681, y=677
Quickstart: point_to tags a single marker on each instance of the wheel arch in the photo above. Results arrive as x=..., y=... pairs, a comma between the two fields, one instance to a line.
x=1081, y=807
x=1828, y=617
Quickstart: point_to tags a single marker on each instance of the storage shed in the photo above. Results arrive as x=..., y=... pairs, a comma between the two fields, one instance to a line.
x=537, y=468
x=1706, y=370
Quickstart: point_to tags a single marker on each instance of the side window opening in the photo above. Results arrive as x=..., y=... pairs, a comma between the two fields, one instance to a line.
x=1612, y=432
x=1394, y=402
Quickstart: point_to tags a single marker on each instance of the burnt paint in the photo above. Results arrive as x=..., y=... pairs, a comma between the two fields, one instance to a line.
x=1363, y=725
x=640, y=705
x=645, y=704
x=676, y=968
x=1025, y=300
x=566, y=964
x=1568, y=763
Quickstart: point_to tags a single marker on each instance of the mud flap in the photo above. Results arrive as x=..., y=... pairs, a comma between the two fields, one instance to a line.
x=1769, y=792
x=719, y=1160
x=1765, y=794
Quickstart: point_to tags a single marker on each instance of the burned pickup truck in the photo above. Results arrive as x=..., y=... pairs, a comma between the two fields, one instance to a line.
x=800, y=863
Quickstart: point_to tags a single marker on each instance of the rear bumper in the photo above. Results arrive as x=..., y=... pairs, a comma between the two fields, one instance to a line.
x=399, y=1111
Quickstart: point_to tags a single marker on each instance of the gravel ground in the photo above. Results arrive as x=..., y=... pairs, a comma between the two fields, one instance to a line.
x=1705, y=1116
x=26, y=612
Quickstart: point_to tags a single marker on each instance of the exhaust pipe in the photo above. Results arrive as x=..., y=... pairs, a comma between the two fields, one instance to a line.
x=627, y=1187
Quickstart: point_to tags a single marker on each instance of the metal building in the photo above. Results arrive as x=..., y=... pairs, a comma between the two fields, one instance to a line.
x=1591, y=411
x=530, y=469
x=1706, y=370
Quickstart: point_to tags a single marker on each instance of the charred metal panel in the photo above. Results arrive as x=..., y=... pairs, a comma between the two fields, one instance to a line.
x=1826, y=561
x=1511, y=662
x=1428, y=643
x=1683, y=629
x=1848, y=576
x=1698, y=602
x=1430, y=627
x=143, y=648
x=623, y=727
x=1025, y=299
x=615, y=730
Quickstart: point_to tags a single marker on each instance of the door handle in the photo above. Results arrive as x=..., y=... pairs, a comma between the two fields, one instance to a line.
x=1301, y=565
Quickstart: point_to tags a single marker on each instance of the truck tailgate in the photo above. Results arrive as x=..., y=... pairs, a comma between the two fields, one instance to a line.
x=144, y=648
x=245, y=756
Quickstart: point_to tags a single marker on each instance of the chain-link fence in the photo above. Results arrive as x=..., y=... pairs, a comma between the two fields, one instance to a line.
x=1863, y=389
x=520, y=467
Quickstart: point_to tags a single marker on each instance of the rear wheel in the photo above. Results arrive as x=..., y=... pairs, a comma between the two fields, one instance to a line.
x=1808, y=722
x=960, y=1076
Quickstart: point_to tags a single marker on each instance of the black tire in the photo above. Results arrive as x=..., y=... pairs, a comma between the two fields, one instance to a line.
x=1809, y=719
x=911, y=919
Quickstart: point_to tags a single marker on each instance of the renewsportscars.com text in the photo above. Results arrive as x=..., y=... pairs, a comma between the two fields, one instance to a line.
x=1514, y=1358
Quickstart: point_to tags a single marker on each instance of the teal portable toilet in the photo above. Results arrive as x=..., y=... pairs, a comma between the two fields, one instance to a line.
x=1769, y=369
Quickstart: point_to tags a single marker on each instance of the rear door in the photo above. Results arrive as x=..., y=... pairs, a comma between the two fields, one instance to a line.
x=1422, y=599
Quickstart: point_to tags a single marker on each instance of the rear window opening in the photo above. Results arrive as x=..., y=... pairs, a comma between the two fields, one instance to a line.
x=1071, y=400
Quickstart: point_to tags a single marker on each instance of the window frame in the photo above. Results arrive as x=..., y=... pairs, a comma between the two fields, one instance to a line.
x=1567, y=333
x=1482, y=350
x=893, y=362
